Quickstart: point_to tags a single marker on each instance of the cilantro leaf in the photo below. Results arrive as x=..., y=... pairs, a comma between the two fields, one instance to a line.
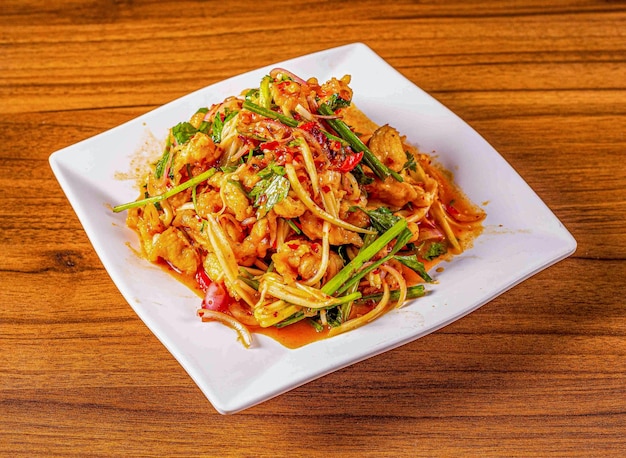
x=218, y=124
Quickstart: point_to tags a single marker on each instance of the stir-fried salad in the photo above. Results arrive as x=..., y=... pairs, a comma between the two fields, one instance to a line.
x=287, y=204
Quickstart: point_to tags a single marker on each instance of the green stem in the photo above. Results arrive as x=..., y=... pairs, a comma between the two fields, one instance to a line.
x=253, y=107
x=412, y=292
x=169, y=193
x=380, y=169
x=349, y=298
x=354, y=279
x=364, y=255
x=265, y=96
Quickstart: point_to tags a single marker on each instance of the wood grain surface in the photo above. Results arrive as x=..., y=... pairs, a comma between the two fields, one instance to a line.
x=539, y=371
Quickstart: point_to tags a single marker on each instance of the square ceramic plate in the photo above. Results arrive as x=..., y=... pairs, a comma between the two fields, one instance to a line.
x=522, y=236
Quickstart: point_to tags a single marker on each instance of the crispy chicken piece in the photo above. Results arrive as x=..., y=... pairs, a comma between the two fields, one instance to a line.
x=199, y=148
x=172, y=246
x=387, y=146
x=289, y=208
x=298, y=259
x=312, y=228
x=391, y=192
x=256, y=244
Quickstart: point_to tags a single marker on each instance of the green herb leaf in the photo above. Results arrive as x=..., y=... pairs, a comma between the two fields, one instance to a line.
x=183, y=131
x=360, y=176
x=204, y=127
x=271, y=169
x=252, y=95
x=335, y=102
x=434, y=250
x=410, y=163
x=382, y=218
x=272, y=191
x=161, y=164
x=171, y=175
x=412, y=263
x=218, y=125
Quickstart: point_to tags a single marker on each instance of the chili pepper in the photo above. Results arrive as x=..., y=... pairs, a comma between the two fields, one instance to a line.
x=451, y=210
x=203, y=279
x=350, y=162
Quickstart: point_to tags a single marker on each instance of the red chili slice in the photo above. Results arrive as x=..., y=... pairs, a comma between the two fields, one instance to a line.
x=203, y=279
x=350, y=162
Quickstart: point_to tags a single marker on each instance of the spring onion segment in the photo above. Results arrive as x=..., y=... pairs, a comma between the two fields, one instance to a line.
x=282, y=214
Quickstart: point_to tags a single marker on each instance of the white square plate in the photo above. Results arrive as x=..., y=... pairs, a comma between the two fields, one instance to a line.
x=521, y=237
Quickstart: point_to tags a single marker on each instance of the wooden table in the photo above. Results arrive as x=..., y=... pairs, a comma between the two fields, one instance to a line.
x=541, y=370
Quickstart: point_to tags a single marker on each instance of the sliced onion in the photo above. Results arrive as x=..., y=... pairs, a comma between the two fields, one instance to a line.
x=277, y=71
